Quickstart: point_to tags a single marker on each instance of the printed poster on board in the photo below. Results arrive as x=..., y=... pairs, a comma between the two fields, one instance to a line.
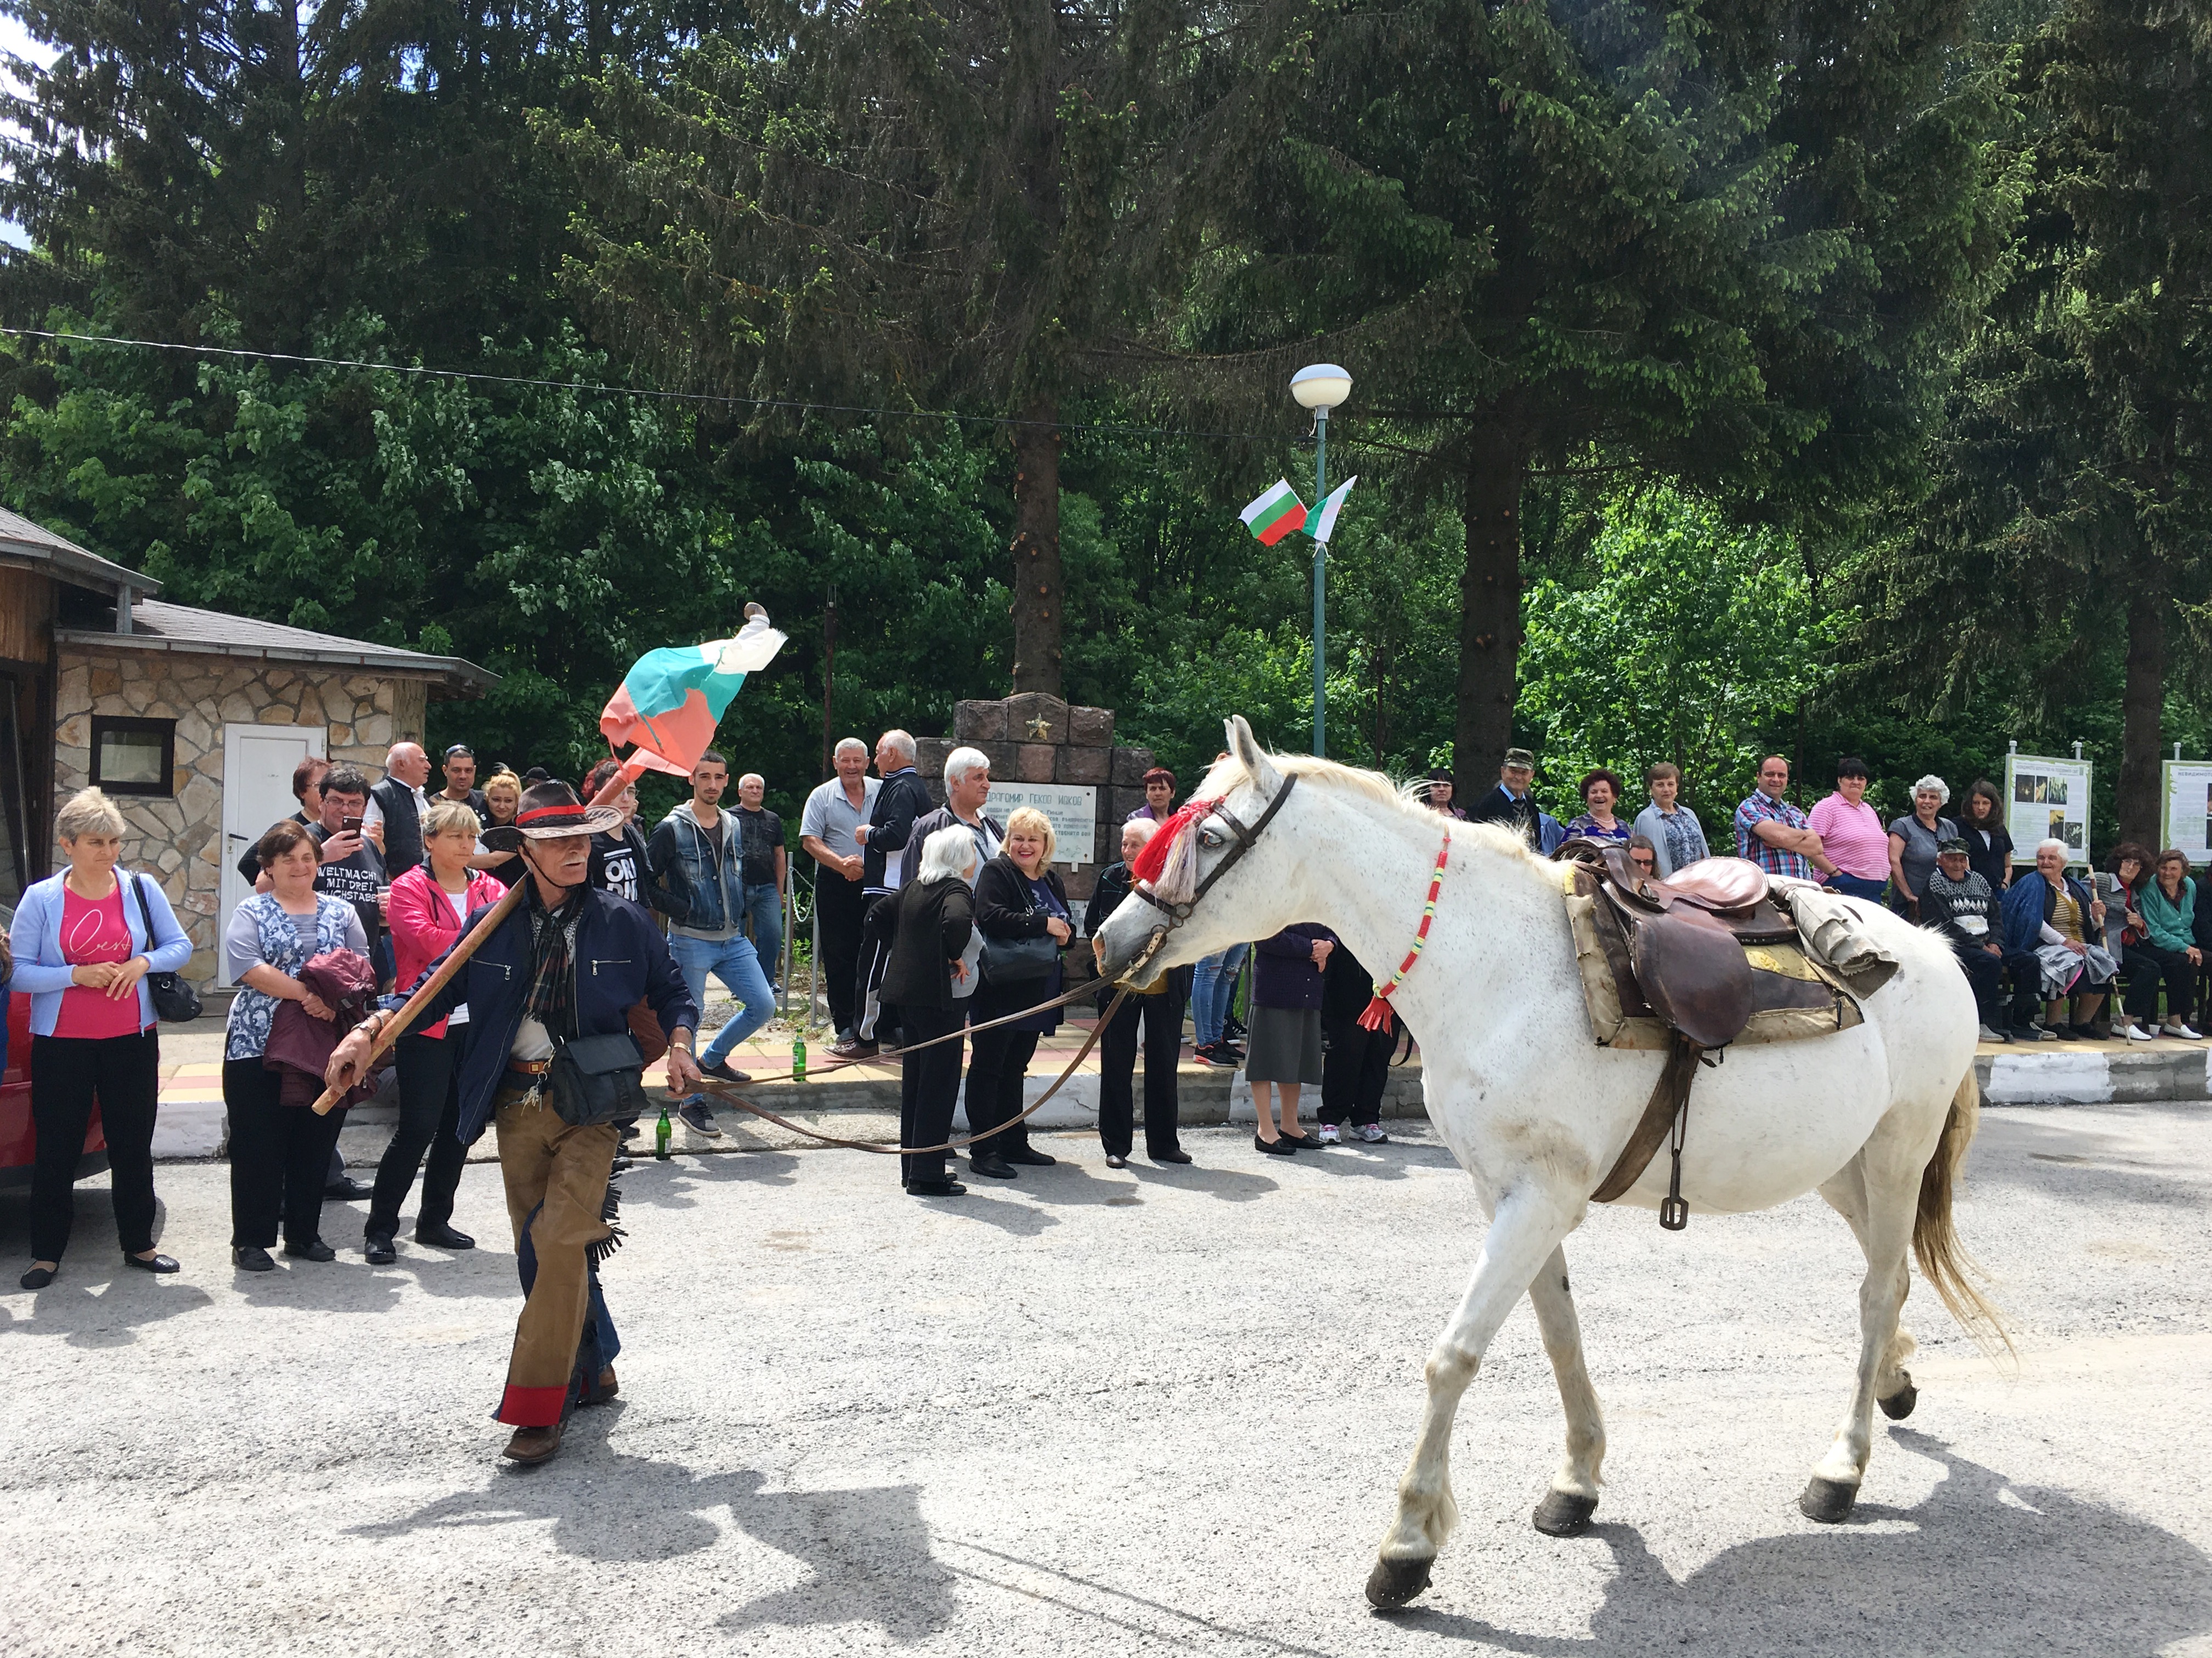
x=2047, y=798
x=2188, y=809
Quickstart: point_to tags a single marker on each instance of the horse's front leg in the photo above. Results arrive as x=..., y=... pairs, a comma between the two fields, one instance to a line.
x=1528, y=1224
x=1566, y=1508
x=1886, y=1192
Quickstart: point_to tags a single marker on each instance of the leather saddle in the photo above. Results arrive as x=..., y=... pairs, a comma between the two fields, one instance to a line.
x=1683, y=941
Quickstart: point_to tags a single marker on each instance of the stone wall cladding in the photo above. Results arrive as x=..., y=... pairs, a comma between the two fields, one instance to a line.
x=178, y=839
x=1077, y=747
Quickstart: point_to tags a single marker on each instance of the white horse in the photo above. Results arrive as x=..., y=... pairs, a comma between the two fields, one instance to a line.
x=1878, y=1117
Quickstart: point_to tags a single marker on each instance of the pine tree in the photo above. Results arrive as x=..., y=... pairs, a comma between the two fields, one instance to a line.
x=1714, y=243
x=2069, y=505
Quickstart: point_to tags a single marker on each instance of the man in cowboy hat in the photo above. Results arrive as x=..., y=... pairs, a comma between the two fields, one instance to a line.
x=566, y=964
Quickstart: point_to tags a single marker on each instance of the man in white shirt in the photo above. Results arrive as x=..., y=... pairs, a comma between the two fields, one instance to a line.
x=398, y=805
x=833, y=812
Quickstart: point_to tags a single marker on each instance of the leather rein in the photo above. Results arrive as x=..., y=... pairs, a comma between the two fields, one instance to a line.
x=1177, y=914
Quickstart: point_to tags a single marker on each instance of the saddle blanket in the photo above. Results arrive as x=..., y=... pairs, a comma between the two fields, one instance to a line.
x=1793, y=996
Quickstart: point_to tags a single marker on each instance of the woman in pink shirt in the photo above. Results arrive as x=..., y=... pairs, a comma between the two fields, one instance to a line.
x=84, y=941
x=1851, y=835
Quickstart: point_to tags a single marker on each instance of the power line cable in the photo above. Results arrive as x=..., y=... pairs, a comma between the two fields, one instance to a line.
x=801, y=406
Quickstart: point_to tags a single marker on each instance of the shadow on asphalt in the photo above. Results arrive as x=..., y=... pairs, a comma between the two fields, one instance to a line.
x=866, y=1551
x=652, y=1184
x=2075, y=1163
x=1983, y=1566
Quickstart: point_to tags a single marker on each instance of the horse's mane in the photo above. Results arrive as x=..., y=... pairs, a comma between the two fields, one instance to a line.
x=1401, y=797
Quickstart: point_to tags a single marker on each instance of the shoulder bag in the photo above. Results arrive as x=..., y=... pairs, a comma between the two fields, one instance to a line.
x=1013, y=961
x=596, y=1079
x=175, y=1002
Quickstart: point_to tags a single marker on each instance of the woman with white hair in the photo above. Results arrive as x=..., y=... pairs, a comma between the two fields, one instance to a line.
x=2051, y=922
x=1913, y=840
x=1018, y=897
x=924, y=978
x=84, y=941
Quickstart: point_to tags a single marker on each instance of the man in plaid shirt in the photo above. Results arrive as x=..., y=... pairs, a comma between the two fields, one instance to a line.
x=1773, y=834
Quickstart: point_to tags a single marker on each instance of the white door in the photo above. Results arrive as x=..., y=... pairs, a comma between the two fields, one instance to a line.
x=258, y=763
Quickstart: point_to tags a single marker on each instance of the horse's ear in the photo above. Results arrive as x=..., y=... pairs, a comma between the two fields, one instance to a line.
x=1250, y=755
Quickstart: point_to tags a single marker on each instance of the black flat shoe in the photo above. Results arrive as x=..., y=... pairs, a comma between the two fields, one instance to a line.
x=153, y=1263
x=346, y=1189
x=1169, y=1157
x=313, y=1249
x=1030, y=1157
x=936, y=1188
x=376, y=1248
x=991, y=1168
x=1275, y=1148
x=1301, y=1142
x=252, y=1258
x=1115, y=1160
x=442, y=1236
x=38, y=1278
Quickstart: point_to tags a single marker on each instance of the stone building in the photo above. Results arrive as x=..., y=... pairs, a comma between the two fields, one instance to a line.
x=1059, y=757
x=192, y=721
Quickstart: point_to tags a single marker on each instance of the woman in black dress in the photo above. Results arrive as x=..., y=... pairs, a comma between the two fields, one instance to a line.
x=1018, y=896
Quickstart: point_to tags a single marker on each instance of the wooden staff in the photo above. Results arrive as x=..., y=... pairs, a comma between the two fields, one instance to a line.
x=395, y=1027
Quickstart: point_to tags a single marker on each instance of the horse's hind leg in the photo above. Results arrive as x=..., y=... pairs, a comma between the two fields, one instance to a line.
x=1892, y=1387
x=1886, y=1192
x=1528, y=1226
x=1566, y=1508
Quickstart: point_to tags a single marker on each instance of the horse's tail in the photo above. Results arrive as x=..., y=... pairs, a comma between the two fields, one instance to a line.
x=1944, y=1260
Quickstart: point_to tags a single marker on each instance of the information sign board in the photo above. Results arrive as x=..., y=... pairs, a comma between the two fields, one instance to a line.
x=2188, y=809
x=1072, y=809
x=2047, y=798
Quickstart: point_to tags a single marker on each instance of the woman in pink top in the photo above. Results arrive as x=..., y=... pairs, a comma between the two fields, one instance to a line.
x=1851, y=835
x=429, y=903
x=84, y=941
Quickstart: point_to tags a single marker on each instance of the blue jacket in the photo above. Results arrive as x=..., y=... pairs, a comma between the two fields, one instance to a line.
x=2028, y=905
x=36, y=939
x=621, y=960
x=700, y=873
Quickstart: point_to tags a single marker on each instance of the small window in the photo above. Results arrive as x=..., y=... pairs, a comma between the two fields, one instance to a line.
x=133, y=757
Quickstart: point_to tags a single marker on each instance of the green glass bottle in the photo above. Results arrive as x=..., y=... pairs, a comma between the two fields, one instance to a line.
x=661, y=1133
x=799, y=1056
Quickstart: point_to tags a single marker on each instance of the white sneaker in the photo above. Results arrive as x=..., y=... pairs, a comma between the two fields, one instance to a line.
x=1329, y=1136
x=2136, y=1033
x=1373, y=1133
x=2183, y=1032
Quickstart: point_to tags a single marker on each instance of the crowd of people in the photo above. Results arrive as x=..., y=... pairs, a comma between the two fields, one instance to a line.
x=940, y=934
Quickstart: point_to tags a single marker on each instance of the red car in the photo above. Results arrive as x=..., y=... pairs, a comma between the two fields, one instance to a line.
x=19, y=1137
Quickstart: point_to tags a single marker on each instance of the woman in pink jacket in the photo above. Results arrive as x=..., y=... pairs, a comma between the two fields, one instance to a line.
x=429, y=905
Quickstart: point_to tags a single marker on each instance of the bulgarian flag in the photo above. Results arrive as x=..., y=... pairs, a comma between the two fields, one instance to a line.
x=1324, y=518
x=1276, y=514
x=669, y=703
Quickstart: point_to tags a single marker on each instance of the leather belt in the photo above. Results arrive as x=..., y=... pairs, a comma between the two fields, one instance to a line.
x=529, y=1068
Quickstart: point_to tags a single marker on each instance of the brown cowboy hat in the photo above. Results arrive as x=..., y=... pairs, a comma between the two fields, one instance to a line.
x=548, y=812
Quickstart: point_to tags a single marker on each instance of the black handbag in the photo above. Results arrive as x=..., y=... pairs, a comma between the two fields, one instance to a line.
x=175, y=1002
x=596, y=1079
x=1014, y=960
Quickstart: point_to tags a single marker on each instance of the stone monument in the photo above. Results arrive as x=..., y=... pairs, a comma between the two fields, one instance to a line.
x=1063, y=761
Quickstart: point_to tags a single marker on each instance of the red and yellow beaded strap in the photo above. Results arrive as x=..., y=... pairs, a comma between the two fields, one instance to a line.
x=1378, y=1014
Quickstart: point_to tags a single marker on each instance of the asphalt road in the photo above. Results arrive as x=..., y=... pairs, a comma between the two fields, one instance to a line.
x=1156, y=1410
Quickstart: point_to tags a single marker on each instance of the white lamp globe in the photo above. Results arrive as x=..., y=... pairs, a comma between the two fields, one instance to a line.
x=1320, y=385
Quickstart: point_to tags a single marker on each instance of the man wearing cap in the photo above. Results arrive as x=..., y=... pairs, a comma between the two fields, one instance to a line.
x=1510, y=803
x=461, y=769
x=567, y=963
x=1962, y=907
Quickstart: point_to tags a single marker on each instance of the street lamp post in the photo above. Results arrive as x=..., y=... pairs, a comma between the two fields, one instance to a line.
x=1321, y=387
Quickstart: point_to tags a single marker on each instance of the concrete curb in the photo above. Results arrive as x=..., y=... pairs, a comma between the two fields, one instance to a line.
x=2076, y=1075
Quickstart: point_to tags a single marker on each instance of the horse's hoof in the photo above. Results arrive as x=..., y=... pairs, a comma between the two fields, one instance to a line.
x=1899, y=1404
x=1564, y=1513
x=1828, y=1501
x=1394, y=1582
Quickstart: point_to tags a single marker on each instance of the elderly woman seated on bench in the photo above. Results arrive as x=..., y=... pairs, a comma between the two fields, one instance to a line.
x=2049, y=920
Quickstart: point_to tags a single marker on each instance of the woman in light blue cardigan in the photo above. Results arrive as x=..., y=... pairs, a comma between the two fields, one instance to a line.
x=84, y=941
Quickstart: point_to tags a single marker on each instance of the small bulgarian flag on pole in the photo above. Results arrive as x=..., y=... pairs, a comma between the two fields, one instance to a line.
x=1276, y=514
x=1324, y=518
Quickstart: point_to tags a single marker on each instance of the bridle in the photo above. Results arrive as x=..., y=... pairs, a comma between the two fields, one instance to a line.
x=1245, y=840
